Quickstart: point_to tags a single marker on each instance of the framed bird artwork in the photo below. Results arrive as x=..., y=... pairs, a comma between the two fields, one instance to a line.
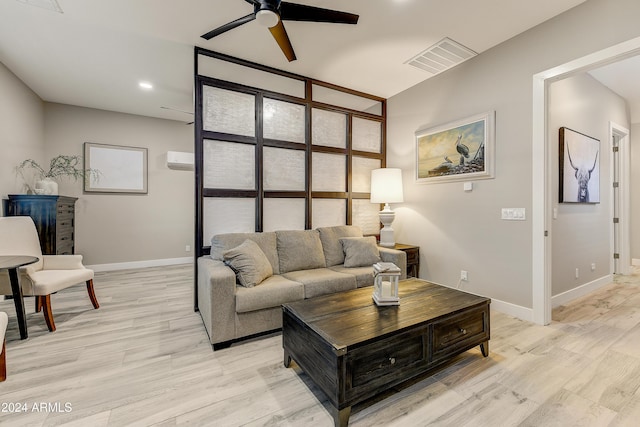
x=457, y=151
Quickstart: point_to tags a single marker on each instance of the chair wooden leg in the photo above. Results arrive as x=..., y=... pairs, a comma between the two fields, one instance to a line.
x=3, y=361
x=92, y=294
x=38, y=304
x=48, y=314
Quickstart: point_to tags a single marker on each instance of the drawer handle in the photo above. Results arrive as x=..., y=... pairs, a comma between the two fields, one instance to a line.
x=392, y=360
x=463, y=331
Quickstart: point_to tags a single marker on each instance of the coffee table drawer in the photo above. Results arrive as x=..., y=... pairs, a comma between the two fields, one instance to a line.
x=384, y=359
x=455, y=332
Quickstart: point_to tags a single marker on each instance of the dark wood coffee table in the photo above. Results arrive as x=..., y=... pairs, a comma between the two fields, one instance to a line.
x=354, y=350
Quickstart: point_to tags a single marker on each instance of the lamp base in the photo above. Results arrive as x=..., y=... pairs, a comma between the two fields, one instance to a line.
x=387, y=238
x=387, y=216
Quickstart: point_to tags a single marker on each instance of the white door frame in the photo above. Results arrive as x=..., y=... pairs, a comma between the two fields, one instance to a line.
x=624, y=153
x=541, y=193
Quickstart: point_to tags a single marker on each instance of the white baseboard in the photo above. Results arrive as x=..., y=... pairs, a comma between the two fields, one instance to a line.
x=525, y=313
x=140, y=264
x=580, y=291
x=635, y=261
x=518, y=311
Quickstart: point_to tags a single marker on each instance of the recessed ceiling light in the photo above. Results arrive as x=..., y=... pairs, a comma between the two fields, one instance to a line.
x=51, y=5
x=145, y=85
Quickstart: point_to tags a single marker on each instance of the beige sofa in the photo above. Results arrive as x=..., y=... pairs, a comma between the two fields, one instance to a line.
x=303, y=264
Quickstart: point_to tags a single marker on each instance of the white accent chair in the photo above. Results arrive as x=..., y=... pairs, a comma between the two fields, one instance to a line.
x=3, y=355
x=52, y=273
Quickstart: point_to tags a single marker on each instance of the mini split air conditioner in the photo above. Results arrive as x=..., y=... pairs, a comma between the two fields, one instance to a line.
x=179, y=160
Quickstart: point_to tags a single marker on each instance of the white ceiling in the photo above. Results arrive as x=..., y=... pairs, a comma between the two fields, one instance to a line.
x=622, y=78
x=95, y=53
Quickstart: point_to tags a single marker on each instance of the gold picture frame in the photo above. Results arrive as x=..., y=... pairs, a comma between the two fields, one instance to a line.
x=120, y=169
x=457, y=151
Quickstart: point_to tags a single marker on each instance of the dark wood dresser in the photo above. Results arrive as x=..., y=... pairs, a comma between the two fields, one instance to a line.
x=54, y=217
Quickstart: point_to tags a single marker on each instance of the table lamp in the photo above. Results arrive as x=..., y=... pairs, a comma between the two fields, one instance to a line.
x=386, y=187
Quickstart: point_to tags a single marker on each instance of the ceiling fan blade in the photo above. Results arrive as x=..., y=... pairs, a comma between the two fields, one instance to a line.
x=301, y=12
x=230, y=26
x=280, y=34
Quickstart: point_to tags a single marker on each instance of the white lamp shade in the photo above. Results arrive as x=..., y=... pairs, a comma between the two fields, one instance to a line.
x=386, y=185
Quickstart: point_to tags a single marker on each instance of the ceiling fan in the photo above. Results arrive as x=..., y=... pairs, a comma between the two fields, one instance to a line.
x=271, y=13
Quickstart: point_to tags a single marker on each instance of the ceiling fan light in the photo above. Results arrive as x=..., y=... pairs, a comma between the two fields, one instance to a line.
x=267, y=18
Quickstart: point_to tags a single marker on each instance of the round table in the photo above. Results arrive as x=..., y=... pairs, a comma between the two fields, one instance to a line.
x=11, y=263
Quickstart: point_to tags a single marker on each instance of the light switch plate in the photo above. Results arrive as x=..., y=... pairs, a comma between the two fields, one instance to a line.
x=514, y=214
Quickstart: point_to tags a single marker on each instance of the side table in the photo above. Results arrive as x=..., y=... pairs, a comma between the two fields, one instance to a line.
x=11, y=264
x=413, y=258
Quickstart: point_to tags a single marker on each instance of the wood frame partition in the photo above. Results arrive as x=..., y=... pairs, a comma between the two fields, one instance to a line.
x=259, y=193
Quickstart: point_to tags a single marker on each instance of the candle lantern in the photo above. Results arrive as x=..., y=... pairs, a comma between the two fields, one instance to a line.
x=385, y=283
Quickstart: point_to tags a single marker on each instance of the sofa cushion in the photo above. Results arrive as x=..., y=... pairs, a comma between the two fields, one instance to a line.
x=249, y=263
x=363, y=275
x=273, y=292
x=329, y=236
x=321, y=281
x=360, y=251
x=267, y=242
x=299, y=250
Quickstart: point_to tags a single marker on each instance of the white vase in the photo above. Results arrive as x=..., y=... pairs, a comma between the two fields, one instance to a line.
x=48, y=187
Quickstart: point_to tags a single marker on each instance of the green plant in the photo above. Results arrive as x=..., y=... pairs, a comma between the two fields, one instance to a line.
x=60, y=166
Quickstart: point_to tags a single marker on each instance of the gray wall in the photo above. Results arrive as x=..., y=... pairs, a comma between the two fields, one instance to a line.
x=458, y=230
x=21, y=129
x=110, y=228
x=115, y=228
x=634, y=142
x=581, y=234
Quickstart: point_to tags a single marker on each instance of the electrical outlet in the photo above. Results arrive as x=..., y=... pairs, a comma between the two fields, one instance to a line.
x=187, y=248
x=464, y=275
x=577, y=273
x=593, y=266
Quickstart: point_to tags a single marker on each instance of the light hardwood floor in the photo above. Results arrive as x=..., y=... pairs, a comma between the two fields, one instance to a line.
x=143, y=359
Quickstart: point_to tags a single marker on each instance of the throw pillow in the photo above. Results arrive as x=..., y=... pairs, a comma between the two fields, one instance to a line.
x=360, y=251
x=249, y=263
x=299, y=250
x=329, y=236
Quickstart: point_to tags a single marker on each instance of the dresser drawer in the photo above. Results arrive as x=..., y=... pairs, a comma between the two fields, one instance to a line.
x=65, y=209
x=65, y=249
x=459, y=332
x=65, y=235
x=64, y=223
x=387, y=357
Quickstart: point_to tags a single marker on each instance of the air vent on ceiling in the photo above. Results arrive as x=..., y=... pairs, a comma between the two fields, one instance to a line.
x=51, y=5
x=441, y=56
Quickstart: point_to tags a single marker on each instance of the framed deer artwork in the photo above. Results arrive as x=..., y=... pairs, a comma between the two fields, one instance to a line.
x=579, y=167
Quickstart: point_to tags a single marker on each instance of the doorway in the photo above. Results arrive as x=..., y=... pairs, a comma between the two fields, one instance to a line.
x=620, y=245
x=541, y=194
